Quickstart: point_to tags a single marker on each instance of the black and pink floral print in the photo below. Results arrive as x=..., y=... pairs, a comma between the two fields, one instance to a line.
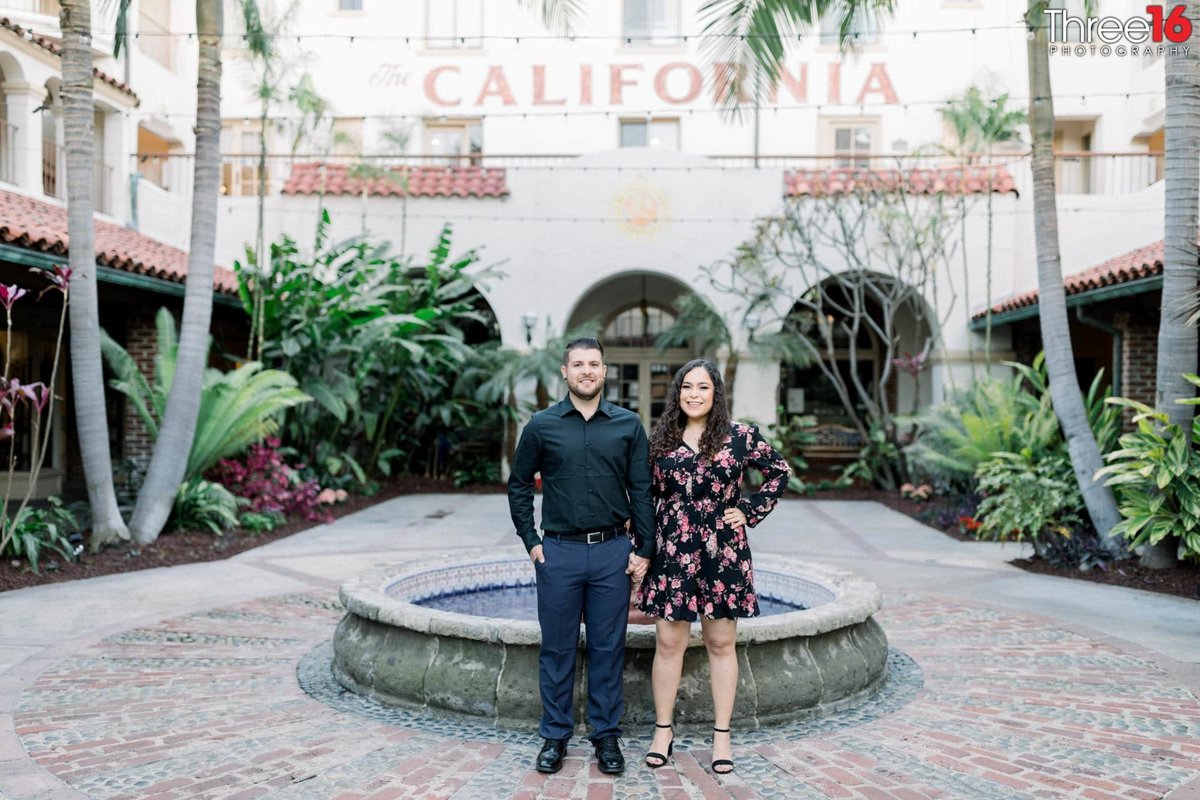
x=702, y=567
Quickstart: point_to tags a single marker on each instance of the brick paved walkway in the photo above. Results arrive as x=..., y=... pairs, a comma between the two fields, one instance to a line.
x=208, y=705
x=213, y=681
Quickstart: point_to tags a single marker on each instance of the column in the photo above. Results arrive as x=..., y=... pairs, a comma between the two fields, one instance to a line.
x=21, y=100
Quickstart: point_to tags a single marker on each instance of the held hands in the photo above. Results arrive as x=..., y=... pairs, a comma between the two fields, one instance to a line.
x=535, y=555
x=735, y=518
x=637, y=567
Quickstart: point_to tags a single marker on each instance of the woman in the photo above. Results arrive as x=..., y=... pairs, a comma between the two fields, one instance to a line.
x=701, y=567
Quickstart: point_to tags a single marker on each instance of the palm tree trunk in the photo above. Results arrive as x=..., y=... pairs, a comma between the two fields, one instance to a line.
x=1177, y=342
x=1052, y=300
x=178, y=428
x=87, y=376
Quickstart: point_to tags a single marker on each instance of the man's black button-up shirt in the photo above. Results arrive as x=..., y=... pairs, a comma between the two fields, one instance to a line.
x=595, y=474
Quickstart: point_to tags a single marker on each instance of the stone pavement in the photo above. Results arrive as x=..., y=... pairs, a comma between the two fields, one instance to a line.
x=211, y=680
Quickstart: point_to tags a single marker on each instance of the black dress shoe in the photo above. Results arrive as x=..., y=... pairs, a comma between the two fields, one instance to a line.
x=550, y=757
x=608, y=753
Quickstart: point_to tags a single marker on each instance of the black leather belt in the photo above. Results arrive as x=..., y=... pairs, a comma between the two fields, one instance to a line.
x=589, y=537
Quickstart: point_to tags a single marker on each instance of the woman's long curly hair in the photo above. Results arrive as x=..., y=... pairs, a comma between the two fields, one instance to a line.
x=668, y=431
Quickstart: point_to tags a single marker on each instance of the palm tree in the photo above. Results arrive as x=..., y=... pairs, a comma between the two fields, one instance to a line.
x=980, y=123
x=1177, y=342
x=174, y=443
x=87, y=375
x=750, y=36
x=1065, y=393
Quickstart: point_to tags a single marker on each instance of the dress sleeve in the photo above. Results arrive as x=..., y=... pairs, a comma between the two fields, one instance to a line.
x=776, y=471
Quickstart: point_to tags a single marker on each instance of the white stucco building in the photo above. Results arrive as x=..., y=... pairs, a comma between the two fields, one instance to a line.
x=595, y=170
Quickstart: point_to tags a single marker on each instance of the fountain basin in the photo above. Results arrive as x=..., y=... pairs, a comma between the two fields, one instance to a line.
x=794, y=664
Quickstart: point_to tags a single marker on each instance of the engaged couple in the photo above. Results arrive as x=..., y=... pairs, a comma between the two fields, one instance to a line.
x=618, y=509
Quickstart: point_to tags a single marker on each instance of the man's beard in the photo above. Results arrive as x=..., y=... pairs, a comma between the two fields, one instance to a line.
x=575, y=390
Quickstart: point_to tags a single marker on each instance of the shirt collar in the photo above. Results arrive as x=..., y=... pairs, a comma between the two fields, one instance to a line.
x=565, y=406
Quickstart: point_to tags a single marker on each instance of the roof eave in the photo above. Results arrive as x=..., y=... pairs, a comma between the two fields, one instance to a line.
x=1113, y=292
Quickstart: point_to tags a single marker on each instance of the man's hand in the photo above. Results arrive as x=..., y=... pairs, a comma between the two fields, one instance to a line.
x=637, y=567
x=535, y=555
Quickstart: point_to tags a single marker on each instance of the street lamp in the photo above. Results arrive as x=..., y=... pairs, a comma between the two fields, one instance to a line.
x=752, y=322
x=529, y=319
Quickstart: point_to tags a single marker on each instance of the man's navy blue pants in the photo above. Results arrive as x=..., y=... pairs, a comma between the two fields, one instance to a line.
x=588, y=580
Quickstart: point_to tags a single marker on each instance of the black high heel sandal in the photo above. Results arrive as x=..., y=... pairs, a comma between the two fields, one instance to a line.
x=660, y=759
x=721, y=762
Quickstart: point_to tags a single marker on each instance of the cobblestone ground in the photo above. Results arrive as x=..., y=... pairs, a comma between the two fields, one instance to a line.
x=236, y=703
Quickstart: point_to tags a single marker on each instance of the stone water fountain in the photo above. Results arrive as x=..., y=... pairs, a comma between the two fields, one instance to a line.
x=463, y=637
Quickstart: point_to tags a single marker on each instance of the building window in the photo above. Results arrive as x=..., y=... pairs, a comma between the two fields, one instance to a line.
x=651, y=22
x=851, y=141
x=650, y=133
x=350, y=5
x=864, y=28
x=239, y=161
x=453, y=23
x=347, y=136
x=457, y=142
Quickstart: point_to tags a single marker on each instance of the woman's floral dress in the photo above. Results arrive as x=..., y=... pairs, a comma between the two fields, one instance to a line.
x=702, y=566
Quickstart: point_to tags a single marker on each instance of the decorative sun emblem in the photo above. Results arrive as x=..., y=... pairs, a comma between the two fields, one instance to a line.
x=641, y=207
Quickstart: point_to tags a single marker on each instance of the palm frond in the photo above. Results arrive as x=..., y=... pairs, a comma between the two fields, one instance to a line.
x=559, y=16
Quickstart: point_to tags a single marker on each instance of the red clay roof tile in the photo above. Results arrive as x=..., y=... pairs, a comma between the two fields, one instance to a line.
x=952, y=180
x=306, y=178
x=55, y=46
x=41, y=226
x=1143, y=262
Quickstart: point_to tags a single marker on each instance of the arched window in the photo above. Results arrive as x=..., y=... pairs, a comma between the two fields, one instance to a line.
x=637, y=326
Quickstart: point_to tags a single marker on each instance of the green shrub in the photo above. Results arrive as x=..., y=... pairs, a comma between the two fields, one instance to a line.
x=261, y=521
x=1156, y=475
x=203, y=504
x=37, y=530
x=1027, y=499
x=237, y=408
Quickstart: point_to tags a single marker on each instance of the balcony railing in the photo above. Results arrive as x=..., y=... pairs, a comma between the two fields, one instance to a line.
x=1089, y=172
x=8, y=160
x=1075, y=172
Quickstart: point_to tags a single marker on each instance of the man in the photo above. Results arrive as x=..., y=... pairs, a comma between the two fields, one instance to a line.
x=594, y=461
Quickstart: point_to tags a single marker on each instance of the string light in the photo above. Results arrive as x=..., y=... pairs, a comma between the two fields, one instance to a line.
x=572, y=37
x=665, y=111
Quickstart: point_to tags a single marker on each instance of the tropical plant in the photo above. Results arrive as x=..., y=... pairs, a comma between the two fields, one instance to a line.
x=87, y=379
x=982, y=123
x=268, y=485
x=1177, y=340
x=35, y=530
x=992, y=416
x=30, y=404
x=203, y=504
x=377, y=342
x=236, y=409
x=1026, y=498
x=1156, y=472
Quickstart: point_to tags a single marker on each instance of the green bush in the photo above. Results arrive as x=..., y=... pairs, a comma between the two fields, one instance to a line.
x=37, y=530
x=237, y=408
x=1156, y=475
x=203, y=504
x=1027, y=499
x=261, y=521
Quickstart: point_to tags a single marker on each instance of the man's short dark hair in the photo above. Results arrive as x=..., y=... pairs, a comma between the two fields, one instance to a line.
x=582, y=343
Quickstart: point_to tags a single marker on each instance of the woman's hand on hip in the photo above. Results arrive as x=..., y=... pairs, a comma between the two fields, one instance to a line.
x=735, y=518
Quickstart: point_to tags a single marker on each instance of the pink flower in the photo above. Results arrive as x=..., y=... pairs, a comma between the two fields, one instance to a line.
x=60, y=279
x=10, y=295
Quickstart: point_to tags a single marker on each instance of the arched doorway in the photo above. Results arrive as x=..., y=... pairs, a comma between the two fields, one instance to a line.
x=628, y=313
